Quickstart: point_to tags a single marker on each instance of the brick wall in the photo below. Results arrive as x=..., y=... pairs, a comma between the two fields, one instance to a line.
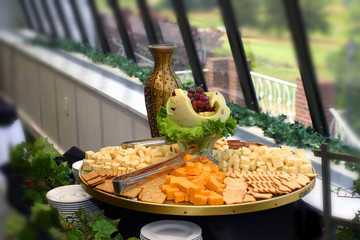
x=222, y=76
x=328, y=96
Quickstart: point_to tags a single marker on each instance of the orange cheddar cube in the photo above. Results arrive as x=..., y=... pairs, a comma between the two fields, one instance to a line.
x=215, y=200
x=184, y=185
x=194, y=172
x=174, y=181
x=189, y=165
x=191, y=178
x=206, y=168
x=204, y=200
x=168, y=179
x=214, y=168
x=170, y=193
x=194, y=190
x=198, y=165
x=187, y=197
x=206, y=193
x=179, y=197
x=213, y=184
x=164, y=187
x=220, y=176
x=180, y=172
x=198, y=200
x=199, y=182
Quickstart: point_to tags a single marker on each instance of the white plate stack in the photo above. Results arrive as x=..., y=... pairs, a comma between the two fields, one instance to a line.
x=69, y=199
x=75, y=169
x=171, y=230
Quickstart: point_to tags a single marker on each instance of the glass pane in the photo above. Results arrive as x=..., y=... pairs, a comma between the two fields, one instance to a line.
x=70, y=18
x=43, y=19
x=88, y=22
x=136, y=31
x=272, y=59
x=213, y=49
x=108, y=23
x=167, y=30
x=31, y=14
x=334, y=35
x=55, y=17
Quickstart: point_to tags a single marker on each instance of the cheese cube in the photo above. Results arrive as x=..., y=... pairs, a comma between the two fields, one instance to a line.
x=252, y=147
x=115, y=165
x=141, y=153
x=236, y=164
x=107, y=167
x=277, y=161
x=233, y=158
x=263, y=151
x=263, y=168
x=293, y=170
x=253, y=165
x=306, y=168
x=252, y=156
x=156, y=153
x=148, y=160
x=227, y=154
x=245, y=167
x=298, y=162
x=245, y=160
x=97, y=167
x=87, y=164
x=246, y=151
x=108, y=163
x=260, y=163
x=89, y=154
x=100, y=160
x=121, y=170
x=134, y=163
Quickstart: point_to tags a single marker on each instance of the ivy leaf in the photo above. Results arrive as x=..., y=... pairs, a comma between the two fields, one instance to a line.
x=103, y=229
x=74, y=234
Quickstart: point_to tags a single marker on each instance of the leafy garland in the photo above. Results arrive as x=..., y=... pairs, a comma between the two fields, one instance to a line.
x=35, y=163
x=292, y=134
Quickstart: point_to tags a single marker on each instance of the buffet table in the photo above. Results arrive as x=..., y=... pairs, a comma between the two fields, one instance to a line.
x=297, y=220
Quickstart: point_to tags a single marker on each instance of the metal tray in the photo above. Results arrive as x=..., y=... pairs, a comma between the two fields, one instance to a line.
x=172, y=208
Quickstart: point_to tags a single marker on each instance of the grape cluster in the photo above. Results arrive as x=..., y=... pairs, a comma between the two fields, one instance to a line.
x=200, y=101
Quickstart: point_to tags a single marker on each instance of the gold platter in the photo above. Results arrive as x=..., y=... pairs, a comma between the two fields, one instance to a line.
x=190, y=210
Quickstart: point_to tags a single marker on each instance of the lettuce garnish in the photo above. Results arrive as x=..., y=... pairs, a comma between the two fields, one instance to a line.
x=173, y=132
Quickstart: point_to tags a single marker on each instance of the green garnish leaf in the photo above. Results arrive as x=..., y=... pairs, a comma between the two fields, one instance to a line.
x=173, y=132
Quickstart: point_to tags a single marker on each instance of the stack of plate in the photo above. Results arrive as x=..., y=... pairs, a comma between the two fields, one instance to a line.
x=68, y=199
x=171, y=230
x=75, y=169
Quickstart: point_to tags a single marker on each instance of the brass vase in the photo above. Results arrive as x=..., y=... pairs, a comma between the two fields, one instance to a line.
x=161, y=82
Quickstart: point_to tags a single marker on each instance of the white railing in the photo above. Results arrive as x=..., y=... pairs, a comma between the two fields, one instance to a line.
x=340, y=129
x=275, y=96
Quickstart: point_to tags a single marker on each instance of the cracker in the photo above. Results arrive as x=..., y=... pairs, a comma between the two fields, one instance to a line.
x=233, y=196
x=95, y=181
x=133, y=193
x=249, y=198
x=106, y=186
x=262, y=195
x=311, y=175
x=153, y=197
x=90, y=175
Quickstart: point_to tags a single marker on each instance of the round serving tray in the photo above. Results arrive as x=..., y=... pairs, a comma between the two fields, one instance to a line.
x=191, y=210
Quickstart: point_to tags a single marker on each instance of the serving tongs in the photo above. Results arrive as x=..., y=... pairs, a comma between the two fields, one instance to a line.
x=152, y=142
x=134, y=179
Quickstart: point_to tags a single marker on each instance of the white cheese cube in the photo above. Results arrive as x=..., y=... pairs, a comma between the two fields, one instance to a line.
x=87, y=164
x=306, y=168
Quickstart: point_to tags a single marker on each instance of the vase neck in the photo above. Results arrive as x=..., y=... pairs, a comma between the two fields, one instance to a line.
x=163, y=55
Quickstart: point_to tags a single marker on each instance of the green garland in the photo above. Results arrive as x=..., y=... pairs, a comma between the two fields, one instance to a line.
x=292, y=134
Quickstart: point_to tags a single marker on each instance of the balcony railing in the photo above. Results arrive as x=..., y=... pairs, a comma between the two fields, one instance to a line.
x=340, y=129
x=274, y=95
